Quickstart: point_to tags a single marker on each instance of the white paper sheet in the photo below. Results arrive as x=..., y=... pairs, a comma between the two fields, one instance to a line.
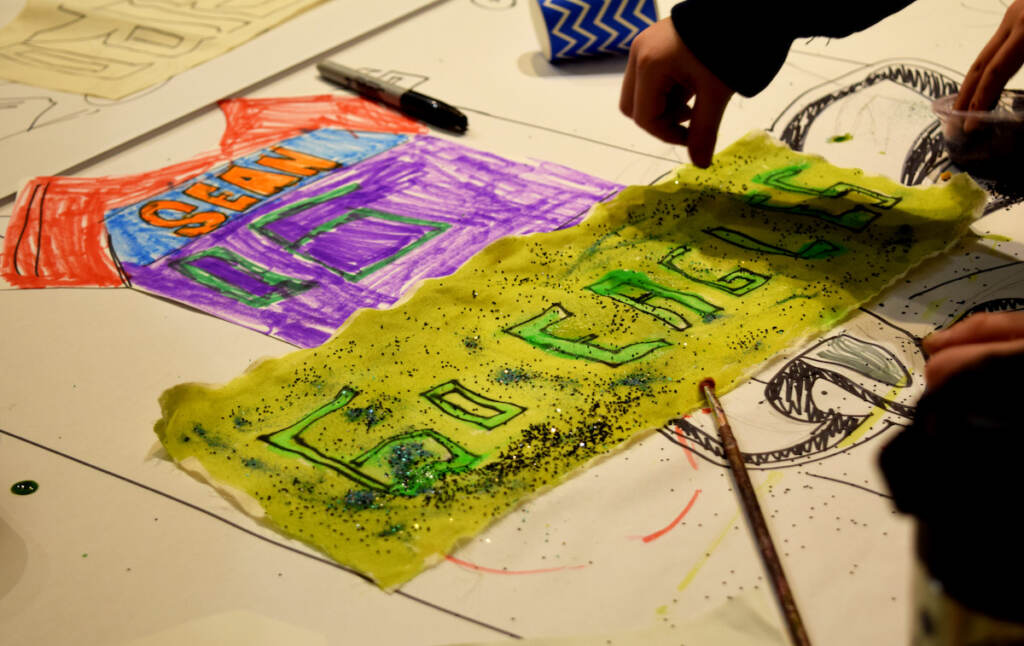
x=164, y=552
x=46, y=132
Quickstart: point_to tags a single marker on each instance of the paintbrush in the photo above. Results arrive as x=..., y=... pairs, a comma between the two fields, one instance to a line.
x=764, y=539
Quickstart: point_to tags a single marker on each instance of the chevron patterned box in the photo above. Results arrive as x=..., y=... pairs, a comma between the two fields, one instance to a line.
x=570, y=29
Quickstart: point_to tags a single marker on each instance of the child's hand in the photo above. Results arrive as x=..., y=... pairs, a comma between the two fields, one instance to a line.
x=970, y=341
x=661, y=77
x=997, y=62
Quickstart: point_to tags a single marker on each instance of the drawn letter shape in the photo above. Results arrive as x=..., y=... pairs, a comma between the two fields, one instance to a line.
x=65, y=60
x=346, y=260
x=838, y=203
x=188, y=227
x=402, y=465
x=295, y=162
x=638, y=291
x=738, y=282
x=239, y=278
x=813, y=250
x=535, y=332
x=191, y=27
x=219, y=197
x=503, y=411
x=289, y=441
x=411, y=463
x=258, y=181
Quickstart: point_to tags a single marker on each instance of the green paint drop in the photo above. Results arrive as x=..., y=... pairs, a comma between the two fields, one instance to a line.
x=25, y=487
x=838, y=139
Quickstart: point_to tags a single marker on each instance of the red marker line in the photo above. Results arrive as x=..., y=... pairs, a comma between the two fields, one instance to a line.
x=489, y=570
x=686, y=447
x=664, y=530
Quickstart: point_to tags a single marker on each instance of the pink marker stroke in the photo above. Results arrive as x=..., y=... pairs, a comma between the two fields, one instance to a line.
x=667, y=528
x=488, y=570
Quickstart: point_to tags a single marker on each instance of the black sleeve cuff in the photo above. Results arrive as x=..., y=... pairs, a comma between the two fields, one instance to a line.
x=745, y=42
x=732, y=42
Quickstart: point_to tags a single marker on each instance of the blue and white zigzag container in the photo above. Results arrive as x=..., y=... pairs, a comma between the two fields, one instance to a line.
x=570, y=29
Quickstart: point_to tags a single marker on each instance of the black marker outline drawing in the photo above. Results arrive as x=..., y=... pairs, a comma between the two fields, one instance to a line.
x=1005, y=295
x=926, y=157
x=143, y=36
x=848, y=363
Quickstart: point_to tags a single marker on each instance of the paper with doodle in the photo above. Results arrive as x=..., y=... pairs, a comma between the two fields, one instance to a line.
x=113, y=48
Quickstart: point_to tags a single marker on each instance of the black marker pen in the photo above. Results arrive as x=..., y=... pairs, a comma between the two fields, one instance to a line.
x=411, y=102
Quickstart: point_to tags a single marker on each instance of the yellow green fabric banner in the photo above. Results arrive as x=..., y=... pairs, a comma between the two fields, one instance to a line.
x=416, y=427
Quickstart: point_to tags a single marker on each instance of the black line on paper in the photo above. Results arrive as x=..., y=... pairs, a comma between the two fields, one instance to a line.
x=210, y=514
x=958, y=278
x=567, y=134
x=848, y=484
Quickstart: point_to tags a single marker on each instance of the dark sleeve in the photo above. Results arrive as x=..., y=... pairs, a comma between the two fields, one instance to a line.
x=744, y=43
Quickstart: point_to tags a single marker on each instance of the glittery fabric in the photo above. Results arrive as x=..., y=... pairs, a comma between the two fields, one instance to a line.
x=416, y=427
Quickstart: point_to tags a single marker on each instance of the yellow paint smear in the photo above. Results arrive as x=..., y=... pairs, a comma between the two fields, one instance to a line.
x=865, y=426
x=770, y=481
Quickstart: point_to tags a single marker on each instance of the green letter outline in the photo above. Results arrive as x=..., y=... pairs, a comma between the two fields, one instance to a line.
x=738, y=282
x=534, y=331
x=614, y=282
x=284, y=286
x=504, y=410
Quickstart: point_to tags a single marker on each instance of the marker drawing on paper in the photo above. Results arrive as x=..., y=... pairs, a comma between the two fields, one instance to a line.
x=906, y=89
x=165, y=60
x=293, y=238
x=114, y=48
x=830, y=390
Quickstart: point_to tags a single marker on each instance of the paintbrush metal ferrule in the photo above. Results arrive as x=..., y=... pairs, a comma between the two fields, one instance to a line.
x=708, y=386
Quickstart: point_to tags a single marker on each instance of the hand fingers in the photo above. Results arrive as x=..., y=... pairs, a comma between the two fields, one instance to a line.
x=668, y=131
x=667, y=126
x=655, y=107
x=651, y=89
x=661, y=77
x=707, y=116
x=979, y=328
x=628, y=85
x=677, y=105
x=1003, y=65
x=944, y=364
x=970, y=84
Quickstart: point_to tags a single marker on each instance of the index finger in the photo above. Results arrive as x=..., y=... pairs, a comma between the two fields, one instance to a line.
x=979, y=328
x=628, y=84
x=998, y=71
x=708, y=109
x=943, y=365
x=970, y=84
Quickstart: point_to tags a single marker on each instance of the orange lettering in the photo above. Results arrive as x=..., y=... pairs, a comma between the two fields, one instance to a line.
x=219, y=197
x=295, y=162
x=206, y=221
x=258, y=181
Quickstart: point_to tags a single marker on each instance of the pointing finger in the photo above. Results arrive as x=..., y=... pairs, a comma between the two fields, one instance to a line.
x=628, y=85
x=707, y=116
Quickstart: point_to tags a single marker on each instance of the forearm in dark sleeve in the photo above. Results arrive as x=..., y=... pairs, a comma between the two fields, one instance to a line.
x=745, y=43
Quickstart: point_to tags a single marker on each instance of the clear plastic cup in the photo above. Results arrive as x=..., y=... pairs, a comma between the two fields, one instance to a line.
x=986, y=143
